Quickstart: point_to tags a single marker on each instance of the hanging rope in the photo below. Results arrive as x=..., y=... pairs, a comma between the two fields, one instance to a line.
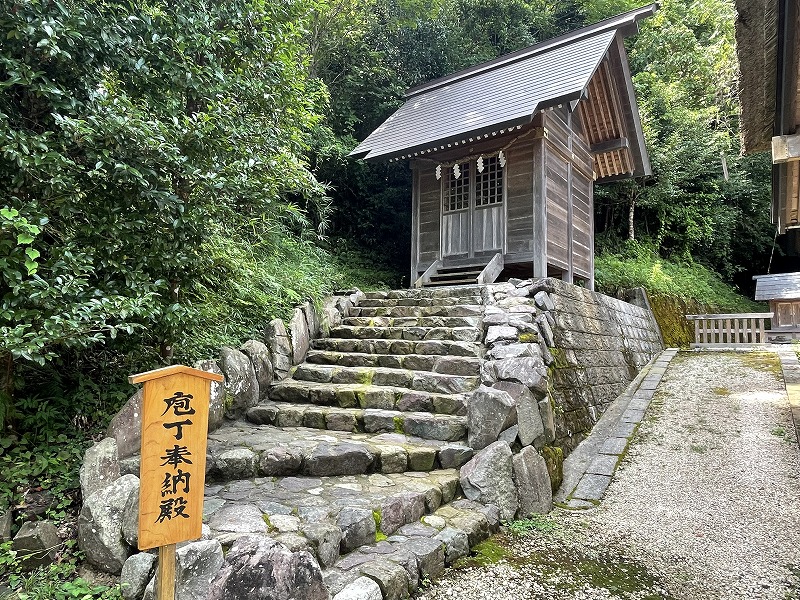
x=448, y=165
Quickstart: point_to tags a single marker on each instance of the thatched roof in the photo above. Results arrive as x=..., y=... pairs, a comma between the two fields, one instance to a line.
x=756, y=47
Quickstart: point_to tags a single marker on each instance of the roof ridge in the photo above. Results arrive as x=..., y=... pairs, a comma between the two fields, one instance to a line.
x=626, y=19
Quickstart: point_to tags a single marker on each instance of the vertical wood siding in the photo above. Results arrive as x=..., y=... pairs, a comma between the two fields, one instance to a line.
x=487, y=228
x=429, y=215
x=455, y=233
x=519, y=196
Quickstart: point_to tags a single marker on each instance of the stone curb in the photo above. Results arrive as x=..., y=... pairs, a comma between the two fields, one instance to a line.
x=593, y=469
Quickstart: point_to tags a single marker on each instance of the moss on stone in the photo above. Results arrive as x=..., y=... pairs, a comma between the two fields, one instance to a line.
x=398, y=425
x=554, y=459
x=364, y=377
x=487, y=552
x=559, y=358
x=347, y=398
x=528, y=337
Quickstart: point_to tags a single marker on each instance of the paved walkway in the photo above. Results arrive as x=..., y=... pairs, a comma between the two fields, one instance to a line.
x=705, y=504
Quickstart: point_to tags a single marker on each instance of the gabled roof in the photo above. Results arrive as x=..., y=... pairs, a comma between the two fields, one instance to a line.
x=781, y=286
x=502, y=93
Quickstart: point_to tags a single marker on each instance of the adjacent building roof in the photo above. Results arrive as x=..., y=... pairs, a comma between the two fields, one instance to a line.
x=500, y=94
x=781, y=286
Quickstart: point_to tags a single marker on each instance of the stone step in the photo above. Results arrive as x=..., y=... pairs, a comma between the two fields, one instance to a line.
x=415, y=553
x=412, y=321
x=450, y=365
x=452, y=292
x=421, y=301
x=447, y=428
x=243, y=450
x=458, y=334
x=448, y=348
x=355, y=525
x=422, y=381
x=458, y=310
x=348, y=395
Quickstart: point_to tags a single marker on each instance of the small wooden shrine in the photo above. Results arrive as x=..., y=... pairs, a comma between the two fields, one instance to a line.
x=505, y=156
x=782, y=290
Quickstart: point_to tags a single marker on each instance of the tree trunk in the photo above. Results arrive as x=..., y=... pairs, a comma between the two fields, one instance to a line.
x=631, y=209
x=6, y=389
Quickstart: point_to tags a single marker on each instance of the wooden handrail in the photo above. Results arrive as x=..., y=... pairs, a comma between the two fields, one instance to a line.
x=429, y=272
x=492, y=270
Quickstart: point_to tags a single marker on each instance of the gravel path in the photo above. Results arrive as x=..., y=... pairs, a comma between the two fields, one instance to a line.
x=706, y=505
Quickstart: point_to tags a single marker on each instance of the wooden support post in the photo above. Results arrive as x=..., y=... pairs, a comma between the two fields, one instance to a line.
x=166, y=572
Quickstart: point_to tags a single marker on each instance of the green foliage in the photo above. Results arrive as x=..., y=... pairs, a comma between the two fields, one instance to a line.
x=124, y=131
x=537, y=523
x=642, y=267
x=55, y=582
x=685, y=78
x=255, y=278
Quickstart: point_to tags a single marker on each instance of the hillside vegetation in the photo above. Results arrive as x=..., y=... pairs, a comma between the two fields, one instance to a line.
x=675, y=289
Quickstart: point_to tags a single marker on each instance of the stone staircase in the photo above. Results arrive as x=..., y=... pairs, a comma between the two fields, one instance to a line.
x=347, y=476
x=355, y=456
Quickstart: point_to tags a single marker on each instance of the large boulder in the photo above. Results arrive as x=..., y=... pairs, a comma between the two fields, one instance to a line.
x=241, y=386
x=362, y=588
x=137, y=572
x=259, y=568
x=216, y=400
x=312, y=319
x=301, y=339
x=533, y=483
x=280, y=348
x=258, y=353
x=36, y=544
x=100, y=525
x=330, y=315
x=489, y=478
x=196, y=565
x=358, y=528
x=100, y=466
x=529, y=421
x=490, y=411
x=529, y=371
x=126, y=427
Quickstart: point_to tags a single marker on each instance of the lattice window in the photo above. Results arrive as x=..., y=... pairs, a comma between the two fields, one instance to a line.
x=489, y=183
x=456, y=196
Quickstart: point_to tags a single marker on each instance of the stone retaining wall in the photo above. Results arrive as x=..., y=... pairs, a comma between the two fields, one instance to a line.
x=574, y=349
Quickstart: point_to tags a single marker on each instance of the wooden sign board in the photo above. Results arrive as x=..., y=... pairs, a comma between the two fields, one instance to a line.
x=173, y=460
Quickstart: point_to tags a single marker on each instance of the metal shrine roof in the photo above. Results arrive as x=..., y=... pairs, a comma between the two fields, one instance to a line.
x=501, y=94
x=781, y=286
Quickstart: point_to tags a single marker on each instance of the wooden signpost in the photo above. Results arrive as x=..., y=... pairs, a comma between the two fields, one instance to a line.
x=173, y=463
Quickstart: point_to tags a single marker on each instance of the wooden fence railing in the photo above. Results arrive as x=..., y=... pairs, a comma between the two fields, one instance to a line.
x=725, y=330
